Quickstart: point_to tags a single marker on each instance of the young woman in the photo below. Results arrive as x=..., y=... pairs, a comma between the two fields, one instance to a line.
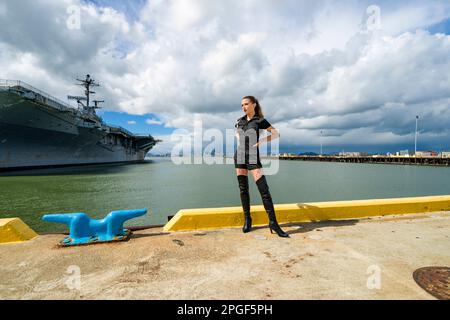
x=247, y=158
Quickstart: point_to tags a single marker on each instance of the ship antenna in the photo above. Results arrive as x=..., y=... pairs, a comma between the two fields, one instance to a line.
x=96, y=102
x=87, y=84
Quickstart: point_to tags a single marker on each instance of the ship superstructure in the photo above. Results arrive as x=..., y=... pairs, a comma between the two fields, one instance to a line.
x=38, y=130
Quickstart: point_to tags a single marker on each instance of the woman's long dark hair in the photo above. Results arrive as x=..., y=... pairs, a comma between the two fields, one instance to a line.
x=258, y=110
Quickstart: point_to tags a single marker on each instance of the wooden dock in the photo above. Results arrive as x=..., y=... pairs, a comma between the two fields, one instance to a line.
x=427, y=161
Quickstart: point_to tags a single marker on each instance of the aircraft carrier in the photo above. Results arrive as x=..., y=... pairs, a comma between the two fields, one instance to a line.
x=38, y=130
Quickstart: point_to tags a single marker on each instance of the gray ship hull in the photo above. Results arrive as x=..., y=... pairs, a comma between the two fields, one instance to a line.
x=33, y=134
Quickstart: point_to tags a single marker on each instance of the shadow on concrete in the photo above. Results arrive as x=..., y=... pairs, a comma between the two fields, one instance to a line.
x=311, y=226
x=145, y=235
x=318, y=225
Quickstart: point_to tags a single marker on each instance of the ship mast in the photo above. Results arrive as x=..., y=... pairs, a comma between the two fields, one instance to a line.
x=87, y=84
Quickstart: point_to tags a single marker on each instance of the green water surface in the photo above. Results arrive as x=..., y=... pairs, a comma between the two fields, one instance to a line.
x=164, y=188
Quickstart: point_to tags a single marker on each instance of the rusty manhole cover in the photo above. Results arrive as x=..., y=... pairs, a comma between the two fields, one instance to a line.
x=434, y=280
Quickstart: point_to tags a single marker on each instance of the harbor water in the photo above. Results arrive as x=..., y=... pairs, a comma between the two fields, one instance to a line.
x=164, y=187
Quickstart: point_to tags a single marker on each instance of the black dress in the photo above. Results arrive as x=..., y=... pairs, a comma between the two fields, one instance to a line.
x=246, y=156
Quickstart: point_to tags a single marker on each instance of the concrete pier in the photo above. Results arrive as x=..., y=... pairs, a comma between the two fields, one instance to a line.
x=370, y=258
x=229, y=217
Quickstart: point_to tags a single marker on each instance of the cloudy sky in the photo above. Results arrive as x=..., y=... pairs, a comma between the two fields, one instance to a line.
x=350, y=74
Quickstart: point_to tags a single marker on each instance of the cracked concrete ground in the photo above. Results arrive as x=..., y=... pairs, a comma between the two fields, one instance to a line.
x=354, y=259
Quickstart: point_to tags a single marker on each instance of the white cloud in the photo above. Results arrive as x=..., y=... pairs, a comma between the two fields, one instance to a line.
x=413, y=15
x=153, y=121
x=2, y=9
x=131, y=122
x=309, y=62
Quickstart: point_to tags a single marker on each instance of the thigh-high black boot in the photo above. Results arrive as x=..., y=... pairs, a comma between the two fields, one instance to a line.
x=268, y=205
x=245, y=199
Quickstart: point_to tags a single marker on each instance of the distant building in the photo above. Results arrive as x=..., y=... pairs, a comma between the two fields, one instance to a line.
x=426, y=154
x=363, y=154
x=445, y=154
x=404, y=153
x=350, y=154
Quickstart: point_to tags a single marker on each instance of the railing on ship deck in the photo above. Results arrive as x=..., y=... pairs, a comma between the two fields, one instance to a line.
x=54, y=102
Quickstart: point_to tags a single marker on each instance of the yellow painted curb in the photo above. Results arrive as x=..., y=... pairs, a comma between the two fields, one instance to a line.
x=15, y=230
x=231, y=217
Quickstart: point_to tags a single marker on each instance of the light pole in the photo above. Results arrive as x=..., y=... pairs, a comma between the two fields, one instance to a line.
x=320, y=142
x=415, y=140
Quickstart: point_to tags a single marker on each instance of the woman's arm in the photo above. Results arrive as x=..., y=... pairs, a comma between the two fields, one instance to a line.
x=275, y=134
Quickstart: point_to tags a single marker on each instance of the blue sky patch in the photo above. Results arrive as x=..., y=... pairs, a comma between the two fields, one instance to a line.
x=136, y=123
x=441, y=27
x=130, y=8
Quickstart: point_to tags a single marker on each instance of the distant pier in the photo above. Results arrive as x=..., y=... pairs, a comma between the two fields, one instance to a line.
x=426, y=161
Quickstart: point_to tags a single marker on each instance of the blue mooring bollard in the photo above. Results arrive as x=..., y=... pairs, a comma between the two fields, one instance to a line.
x=84, y=230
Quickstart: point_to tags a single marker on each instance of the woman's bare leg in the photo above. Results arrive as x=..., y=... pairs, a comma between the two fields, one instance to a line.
x=241, y=172
x=257, y=173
